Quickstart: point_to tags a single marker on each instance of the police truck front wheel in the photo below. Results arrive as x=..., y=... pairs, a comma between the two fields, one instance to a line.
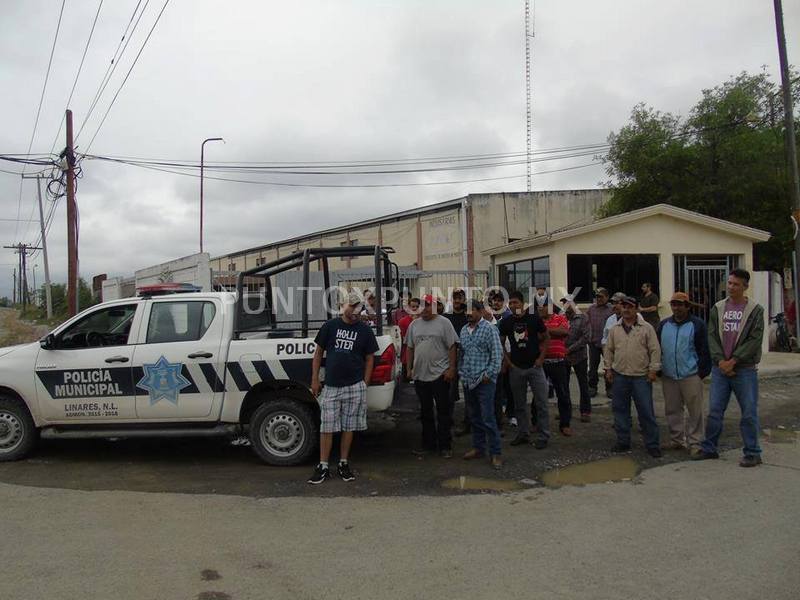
x=18, y=434
x=284, y=431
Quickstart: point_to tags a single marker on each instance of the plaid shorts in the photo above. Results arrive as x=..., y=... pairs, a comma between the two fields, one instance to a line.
x=343, y=408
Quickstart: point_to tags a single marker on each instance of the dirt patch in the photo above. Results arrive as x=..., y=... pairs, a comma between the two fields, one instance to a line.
x=14, y=331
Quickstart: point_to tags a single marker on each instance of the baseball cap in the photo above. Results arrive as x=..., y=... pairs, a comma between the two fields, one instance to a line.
x=680, y=297
x=354, y=299
x=429, y=299
x=601, y=290
x=617, y=297
x=629, y=300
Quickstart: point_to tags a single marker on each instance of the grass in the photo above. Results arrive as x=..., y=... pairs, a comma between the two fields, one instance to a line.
x=13, y=330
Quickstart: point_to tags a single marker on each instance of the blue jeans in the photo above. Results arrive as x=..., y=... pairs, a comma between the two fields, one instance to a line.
x=484, y=424
x=745, y=385
x=641, y=389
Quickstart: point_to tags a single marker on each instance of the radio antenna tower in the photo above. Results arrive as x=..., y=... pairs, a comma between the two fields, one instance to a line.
x=529, y=116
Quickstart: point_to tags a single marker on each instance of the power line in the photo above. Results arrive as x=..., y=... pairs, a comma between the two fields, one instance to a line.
x=77, y=76
x=135, y=60
x=39, y=109
x=270, y=170
x=321, y=185
x=112, y=65
x=378, y=161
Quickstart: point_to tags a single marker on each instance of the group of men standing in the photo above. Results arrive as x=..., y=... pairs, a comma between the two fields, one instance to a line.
x=494, y=351
x=685, y=351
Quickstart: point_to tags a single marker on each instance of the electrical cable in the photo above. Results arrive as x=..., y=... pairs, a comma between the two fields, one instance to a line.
x=112, y=65
x=122, y=85
x=373, y=185
x=77, y=76
x=39, y=109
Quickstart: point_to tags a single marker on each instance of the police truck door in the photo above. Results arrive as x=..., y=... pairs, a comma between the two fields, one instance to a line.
x=86, y=374
x=178, y=366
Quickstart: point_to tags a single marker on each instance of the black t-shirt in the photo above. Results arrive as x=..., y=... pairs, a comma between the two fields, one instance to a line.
x=346, y=346
x=523, y=338
x=457, y=320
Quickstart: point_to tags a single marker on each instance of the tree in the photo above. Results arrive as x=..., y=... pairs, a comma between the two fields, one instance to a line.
x=58, y=293
x=726, y=160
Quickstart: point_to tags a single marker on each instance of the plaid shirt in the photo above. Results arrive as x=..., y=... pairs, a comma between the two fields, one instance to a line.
x=598, y=315
x=481, y=354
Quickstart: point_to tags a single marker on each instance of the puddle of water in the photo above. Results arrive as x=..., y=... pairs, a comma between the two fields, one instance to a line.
x=619, y=468
x=465, y=482
x=782, y=436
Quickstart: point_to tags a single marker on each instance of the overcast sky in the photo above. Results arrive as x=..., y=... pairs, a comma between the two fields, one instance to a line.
x=336, y=81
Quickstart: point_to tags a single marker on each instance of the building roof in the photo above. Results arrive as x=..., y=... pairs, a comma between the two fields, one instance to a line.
x=419, y=210
x=349, y=226
x=584, y=227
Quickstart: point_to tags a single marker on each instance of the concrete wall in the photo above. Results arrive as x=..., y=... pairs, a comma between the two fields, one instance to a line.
x=658, y=234
x=194, y=269
x=496, y=217
x=527, y=215
x=115, y=288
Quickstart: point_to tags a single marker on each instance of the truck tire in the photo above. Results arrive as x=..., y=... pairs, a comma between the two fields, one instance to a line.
x=18, y=434
x=284, y=431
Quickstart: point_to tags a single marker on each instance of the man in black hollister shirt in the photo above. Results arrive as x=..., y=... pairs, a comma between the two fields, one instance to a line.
x=349, y=346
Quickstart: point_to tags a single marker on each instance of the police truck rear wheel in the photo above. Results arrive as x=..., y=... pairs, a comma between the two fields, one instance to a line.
x=18, y=434
x=284, y=432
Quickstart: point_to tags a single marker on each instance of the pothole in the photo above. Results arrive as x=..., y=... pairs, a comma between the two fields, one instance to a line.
x=618, y=468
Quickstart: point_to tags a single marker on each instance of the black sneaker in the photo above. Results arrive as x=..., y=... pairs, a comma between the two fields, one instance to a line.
x=705, y=455
x=620, y=448
x=320, y=474
x=752, y=460
x=654, y=452
x=345, y=473
x=521, y=439
x=540, y=444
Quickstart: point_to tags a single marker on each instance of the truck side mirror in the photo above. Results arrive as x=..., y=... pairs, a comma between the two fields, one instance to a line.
x=48, y=342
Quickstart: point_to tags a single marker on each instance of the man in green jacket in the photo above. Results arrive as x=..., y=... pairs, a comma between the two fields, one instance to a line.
x=735, y=336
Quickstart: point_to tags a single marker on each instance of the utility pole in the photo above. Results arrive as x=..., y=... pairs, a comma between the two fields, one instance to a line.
x=14, y=290
x=791, y=151
x=47, y=292
x=72, y=223
x=202, y=161
x=21, y=291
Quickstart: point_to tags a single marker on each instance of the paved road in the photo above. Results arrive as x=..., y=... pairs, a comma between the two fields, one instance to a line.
x=382, y=456
x=706, y=530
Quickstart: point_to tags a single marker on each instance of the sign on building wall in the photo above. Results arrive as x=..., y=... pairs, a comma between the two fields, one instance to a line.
x=441, y=241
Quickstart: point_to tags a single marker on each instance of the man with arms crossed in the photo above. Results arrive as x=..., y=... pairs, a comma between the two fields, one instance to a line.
x=349, y=346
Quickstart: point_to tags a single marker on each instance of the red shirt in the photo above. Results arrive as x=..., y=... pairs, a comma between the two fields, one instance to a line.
x=557, y=347
x=404, y=324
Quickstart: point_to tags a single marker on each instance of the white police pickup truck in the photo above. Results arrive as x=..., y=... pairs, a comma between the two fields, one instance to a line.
x=196, y=364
